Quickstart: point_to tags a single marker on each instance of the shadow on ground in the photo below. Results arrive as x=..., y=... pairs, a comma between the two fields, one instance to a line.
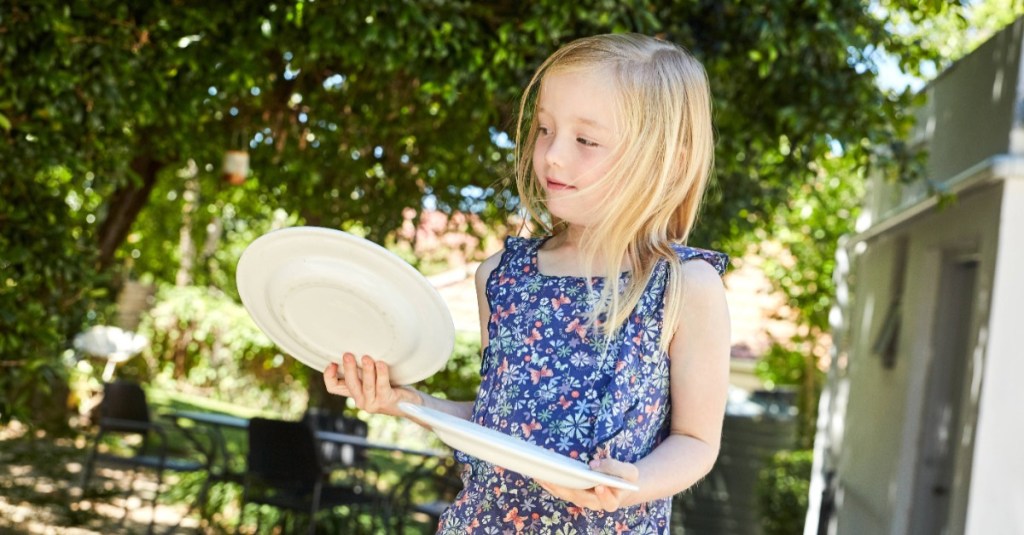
x=40, y=491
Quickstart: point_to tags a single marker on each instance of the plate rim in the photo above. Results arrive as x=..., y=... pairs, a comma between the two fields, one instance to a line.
x=574, y=468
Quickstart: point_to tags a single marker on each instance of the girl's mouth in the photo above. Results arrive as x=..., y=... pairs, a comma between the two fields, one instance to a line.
x=556, y=185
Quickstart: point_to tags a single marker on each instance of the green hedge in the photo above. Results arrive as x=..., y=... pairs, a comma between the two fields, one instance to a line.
x=782, y=490
x=205, y=339
x=49, y=289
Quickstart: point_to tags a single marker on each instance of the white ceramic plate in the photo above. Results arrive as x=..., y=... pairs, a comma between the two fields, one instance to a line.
x=318, y=293
x=512, y=453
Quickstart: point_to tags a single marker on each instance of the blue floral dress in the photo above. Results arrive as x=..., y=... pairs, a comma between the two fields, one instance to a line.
x=546, y=379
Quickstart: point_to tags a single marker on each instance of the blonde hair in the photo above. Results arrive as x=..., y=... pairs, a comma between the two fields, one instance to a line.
x=663, y=163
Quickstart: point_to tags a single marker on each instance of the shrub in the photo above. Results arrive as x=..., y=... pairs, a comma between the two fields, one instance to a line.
x=203, y=338
x=782, y=491
x=49, y=289
x=460, y=378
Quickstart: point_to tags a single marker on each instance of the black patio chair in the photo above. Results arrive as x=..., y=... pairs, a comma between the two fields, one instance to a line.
x=124, y=413
x=334, y=455
x=285, y=469
x=343, y=460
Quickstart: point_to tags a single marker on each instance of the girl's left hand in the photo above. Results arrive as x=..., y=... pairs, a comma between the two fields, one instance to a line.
x=601, y=497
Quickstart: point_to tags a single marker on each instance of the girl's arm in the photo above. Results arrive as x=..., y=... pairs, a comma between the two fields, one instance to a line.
x=368, y=382
x=699, y=376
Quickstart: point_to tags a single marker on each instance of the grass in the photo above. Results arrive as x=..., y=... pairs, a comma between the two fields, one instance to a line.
x=167, y=400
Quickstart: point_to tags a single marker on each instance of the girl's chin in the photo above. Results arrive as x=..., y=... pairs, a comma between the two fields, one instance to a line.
x=575, y=217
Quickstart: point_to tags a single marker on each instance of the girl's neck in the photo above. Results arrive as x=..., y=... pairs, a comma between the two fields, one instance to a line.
x=562, y=255
x=570, y=237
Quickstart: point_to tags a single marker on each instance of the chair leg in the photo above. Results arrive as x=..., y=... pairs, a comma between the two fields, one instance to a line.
x=204, y=494
x=90, y=463
x=314, y=507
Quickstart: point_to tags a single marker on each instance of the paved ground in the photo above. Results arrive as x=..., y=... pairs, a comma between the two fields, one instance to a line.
x=39, y=490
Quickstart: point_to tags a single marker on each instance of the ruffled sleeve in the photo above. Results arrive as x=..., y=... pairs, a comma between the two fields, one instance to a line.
x=720, y=261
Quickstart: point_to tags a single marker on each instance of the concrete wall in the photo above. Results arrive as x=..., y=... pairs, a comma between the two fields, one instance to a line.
x=997, y=486
x=972, y=112
x=881, y=426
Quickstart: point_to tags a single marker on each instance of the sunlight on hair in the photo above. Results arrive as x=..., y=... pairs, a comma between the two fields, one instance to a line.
x=663, y=164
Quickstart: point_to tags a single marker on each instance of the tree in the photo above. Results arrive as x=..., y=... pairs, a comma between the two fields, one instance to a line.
x=352, y=111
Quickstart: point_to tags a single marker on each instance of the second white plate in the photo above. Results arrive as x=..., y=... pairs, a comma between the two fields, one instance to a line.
x=512, y=453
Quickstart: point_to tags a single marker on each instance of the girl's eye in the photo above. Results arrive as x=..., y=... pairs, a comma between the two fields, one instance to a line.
x=542, y=130
x=585, y=142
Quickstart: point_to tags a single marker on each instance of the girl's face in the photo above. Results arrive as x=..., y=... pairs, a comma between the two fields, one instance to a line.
x=576, y=142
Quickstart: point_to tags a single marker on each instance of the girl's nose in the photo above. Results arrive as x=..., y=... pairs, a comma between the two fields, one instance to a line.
x=553, y=153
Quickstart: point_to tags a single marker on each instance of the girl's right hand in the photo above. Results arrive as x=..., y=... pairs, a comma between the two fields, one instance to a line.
x=369, y=386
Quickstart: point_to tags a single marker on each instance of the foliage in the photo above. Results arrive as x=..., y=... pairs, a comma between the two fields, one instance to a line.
x=48, y=287
x=781, y=366
x=794, y=365
x=782, y=488
x=799, y=239
x=799, y=257
x=207, y=340
x=460, y=378
x=952, y=34
x=352, y=112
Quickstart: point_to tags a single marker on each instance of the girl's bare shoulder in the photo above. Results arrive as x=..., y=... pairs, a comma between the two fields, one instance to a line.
x=483, y=271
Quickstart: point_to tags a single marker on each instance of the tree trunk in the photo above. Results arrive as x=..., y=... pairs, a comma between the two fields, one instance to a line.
x=186, y=247
x=124, y=208
x=319, y=396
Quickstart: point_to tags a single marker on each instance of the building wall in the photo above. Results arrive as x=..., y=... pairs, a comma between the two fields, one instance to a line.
x=997, y=486
x=872, y=419
x=987, y=80
x=873, y=430
x=881, y=432
x=972, y=112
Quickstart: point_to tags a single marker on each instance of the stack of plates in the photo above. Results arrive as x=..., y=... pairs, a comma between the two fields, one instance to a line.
x=319, y=293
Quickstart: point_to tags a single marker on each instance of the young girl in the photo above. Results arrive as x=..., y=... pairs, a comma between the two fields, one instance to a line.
x=602, y=340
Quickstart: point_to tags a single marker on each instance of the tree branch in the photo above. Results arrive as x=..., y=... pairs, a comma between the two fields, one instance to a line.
x=124, y=208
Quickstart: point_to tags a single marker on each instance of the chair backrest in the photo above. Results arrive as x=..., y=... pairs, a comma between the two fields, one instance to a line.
x=345, y=455
x=123, y=400
x=283, y=454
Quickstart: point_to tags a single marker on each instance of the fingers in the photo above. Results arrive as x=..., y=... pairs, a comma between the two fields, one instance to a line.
x=600, y=497
x=581, y=497
x=611, y=499
x=383, y=377
x=366, y=381
x=608, y=499
x=352, y=381
x=332, y=383
x=626, y=471
x=369, y=381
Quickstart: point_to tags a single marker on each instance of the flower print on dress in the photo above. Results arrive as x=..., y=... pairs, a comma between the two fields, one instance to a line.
x=548, y=379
